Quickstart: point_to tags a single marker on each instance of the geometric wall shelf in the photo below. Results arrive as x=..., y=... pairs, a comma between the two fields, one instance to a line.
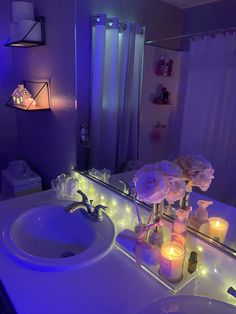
x=28, y=39
x=39, y=100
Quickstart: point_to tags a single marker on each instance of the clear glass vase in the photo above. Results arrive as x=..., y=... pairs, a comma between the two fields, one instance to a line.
x=179, y=228
x=156, y=234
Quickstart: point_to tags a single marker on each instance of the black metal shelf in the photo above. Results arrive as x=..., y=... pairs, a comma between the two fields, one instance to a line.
x=24, y=43
x=40, y=94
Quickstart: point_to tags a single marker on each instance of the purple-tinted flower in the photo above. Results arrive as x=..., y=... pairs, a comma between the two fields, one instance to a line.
x=176, y=190
x=197, y=170
x=150, y=184
x=170, y=169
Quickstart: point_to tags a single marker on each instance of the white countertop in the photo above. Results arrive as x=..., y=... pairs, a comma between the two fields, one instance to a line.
x=111, y=285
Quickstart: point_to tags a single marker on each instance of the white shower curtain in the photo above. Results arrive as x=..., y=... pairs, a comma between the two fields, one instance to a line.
x=209, y=126
x=117, y=59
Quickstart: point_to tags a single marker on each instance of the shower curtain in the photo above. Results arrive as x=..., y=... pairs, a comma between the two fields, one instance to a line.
x=209, y=126
x=117, y=60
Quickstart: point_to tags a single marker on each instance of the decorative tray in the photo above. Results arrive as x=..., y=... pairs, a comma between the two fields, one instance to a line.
x=154, y=272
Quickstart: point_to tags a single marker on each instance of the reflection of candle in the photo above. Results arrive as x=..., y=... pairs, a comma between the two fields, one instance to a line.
x=218, y=228
x=172, y=259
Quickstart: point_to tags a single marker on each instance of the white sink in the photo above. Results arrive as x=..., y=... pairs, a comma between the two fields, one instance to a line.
x=48, y=238
x=186, y=304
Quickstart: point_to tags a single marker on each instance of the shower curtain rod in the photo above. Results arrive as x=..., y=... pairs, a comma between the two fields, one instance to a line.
x=215, y=31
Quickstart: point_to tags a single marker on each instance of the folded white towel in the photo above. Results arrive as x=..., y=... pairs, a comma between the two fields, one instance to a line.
x=20, y=169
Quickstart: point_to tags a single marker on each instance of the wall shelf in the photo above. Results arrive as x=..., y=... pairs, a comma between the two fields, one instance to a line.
x=27, y=41
x=40, y=97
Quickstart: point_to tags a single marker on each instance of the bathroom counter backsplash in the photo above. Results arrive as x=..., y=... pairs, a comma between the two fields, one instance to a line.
x=113, y=284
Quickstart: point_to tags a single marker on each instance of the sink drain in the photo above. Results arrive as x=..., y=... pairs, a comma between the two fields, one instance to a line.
x=67, y=254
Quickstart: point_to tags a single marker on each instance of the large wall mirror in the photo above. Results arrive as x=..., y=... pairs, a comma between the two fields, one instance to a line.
x=159, y=99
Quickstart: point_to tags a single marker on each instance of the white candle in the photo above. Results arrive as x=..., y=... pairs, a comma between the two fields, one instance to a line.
x=218, y=228
x=172, y=260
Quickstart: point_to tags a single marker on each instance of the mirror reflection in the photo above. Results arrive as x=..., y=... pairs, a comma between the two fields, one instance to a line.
x=161, y=100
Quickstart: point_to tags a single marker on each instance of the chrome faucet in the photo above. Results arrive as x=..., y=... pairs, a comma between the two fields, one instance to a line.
x=126, y=187
x=87, y=208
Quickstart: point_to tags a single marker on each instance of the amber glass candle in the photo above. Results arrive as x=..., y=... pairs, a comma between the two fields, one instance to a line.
x=218, y=228
x=172, y=260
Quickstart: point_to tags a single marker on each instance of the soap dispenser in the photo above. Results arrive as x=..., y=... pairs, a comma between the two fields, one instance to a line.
x=201, y=213
x=200, y=216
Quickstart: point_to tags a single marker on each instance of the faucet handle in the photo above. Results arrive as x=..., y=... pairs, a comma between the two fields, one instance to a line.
x=100, y=207
x=98, y=211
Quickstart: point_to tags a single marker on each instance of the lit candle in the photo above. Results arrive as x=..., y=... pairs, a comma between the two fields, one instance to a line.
x=218, y=228
x=172, y=260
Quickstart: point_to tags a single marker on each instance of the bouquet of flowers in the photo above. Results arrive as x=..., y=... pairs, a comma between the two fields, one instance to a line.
x=171, y=181
x=197, y=171
x=159, y=181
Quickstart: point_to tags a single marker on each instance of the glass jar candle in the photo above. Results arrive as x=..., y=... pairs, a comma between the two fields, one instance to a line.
x=172, y=260
x=218, y=228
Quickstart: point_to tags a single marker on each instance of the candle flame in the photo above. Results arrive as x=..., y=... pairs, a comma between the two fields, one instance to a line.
x=171, y=252
x=217, y=223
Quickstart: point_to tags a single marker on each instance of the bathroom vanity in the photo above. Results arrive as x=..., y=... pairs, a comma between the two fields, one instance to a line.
x=110, y=284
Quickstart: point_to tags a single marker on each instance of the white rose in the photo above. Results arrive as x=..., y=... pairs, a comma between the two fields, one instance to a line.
x=151, y=185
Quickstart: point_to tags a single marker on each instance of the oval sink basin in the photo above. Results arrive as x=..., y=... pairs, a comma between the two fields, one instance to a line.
x=187, y=304
x=48, y=238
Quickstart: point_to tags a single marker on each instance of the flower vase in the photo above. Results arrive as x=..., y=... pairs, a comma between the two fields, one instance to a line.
x=179, y=228
x=185, y=201
x=156, y=234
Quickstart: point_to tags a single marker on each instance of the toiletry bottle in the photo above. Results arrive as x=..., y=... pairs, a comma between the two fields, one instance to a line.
x=192, y=262
x=179, y=228
x=201, y=213
x=200, y=217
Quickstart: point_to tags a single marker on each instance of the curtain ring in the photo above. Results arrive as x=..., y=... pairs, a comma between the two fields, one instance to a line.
x=99, y=19
x=112, y=23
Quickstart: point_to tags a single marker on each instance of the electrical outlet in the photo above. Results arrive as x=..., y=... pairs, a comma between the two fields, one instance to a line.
x=84, y=135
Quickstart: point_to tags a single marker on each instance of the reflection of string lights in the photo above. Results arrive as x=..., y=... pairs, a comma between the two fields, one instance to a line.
x=114, y=202
x=200, y=248
x=123, y=219
x=128, y=209
x=204, y=271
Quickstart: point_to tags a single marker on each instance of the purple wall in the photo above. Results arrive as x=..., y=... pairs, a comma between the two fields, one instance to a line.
x=8, y=129
x=47, y=140
x=220, y=14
